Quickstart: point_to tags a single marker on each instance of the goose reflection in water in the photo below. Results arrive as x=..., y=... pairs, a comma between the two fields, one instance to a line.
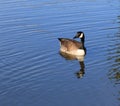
x=80, y=59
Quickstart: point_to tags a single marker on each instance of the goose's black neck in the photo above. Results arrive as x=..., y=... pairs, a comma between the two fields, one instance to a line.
x=83, y=40
x=83, y=43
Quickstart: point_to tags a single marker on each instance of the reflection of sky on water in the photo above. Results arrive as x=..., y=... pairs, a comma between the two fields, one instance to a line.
x=33, y=73
x=114, y=60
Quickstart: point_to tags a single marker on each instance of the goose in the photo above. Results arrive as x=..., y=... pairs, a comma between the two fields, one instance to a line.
x=73, y=47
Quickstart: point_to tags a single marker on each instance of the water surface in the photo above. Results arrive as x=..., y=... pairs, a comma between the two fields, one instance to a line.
x=33, y=73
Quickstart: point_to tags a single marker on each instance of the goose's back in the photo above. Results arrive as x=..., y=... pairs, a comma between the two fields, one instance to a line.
x=70, y=44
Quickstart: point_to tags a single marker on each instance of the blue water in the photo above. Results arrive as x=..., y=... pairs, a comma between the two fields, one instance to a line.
x=33, y=73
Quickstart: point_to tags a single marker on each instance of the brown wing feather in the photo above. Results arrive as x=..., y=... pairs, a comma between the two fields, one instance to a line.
x=69, y=44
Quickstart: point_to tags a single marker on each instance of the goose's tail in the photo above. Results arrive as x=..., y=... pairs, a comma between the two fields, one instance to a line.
x=59, y=39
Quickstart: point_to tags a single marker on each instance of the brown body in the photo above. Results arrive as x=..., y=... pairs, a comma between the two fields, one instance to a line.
x=73, y=47
x=70, y=44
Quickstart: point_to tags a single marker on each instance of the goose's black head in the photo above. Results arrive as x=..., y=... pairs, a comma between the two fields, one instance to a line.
x=80, y=35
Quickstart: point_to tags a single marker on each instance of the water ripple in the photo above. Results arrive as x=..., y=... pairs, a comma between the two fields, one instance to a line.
x=29, y=49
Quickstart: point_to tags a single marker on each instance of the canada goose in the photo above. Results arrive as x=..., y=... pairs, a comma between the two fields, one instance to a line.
x=73, y=47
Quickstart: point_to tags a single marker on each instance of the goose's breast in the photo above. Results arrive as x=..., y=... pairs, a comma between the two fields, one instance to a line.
x=79, y=52
x=74, y=52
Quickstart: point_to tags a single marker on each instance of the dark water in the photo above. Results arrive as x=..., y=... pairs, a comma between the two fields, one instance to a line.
x=33, y=73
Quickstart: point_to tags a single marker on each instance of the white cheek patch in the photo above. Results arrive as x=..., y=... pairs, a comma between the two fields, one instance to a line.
x=81, y=35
